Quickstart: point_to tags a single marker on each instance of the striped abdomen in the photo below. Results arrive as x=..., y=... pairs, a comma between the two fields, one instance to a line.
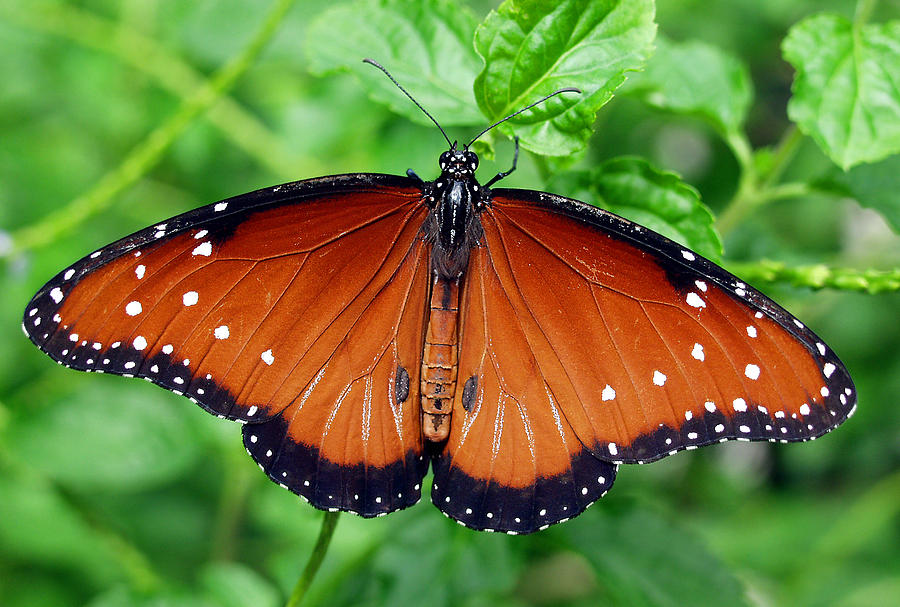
x=439, y=359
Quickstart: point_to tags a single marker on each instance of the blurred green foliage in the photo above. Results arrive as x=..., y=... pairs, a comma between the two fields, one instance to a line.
x=113, y=492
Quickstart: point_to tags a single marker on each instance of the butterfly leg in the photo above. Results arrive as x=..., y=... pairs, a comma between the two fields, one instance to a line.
x=439, y=360
x=503, y=174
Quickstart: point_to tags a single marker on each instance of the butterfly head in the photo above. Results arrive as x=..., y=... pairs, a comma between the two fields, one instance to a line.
x=458, y=164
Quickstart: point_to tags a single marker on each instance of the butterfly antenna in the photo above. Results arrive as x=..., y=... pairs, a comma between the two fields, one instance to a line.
x=527, y=107
x=413, y=99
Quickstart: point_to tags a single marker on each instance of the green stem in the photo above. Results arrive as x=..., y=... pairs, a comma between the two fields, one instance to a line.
x=151, y=150
x=784, y=153
x=170, y=72
x=864, y=10
x=754, y=189
x=819, y=276
x=329, y=522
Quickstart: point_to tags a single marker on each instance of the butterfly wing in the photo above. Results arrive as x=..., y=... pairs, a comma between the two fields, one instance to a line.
x=298, y=310
x=626, y=346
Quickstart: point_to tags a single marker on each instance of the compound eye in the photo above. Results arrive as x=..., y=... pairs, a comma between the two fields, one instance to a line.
x=444, y=160
x=472, y=160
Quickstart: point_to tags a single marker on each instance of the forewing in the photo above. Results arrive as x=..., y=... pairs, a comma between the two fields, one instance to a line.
x=298, y=309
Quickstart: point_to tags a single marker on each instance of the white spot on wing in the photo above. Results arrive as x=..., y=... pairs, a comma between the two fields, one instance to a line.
x=133, y=308
x=268, y=357
x=659, y=378
x=56, y=295
x=139, y=271
x=828, y=369
x=608, y=393
x=190, y=298
x=204, y=249
x=221, y=332
x=697, y=352
x=694, y=300
x=140, y=342
x=739, y=404
x=688, y=255
x=752, y=371
x=221, y=206
x=751, y=331
x=69, y=274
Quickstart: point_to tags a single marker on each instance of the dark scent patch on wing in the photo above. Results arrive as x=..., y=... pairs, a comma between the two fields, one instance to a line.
x=401, y=385
x=469, y=392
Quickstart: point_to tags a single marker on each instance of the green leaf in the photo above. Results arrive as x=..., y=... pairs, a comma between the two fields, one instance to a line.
x=37, y=525
x=429, y=561
x=107, y=434
x=532, y=48
x=698, y=79
x=643, y=559
x=427, y=47
x=236, y=585
x=847, y=86
x=659, y=200
x=876, y=186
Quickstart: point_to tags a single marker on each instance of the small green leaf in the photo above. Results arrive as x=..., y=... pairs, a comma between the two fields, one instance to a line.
x=427, y=47
x=108, y=434
x=847, y=86
x=659, y=200
x=876, y=186
x=643, y=559
x=698, y=79
x=532, y=48
x=236, y=585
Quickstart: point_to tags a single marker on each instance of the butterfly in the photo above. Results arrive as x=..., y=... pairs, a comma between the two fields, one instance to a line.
x=364, y=327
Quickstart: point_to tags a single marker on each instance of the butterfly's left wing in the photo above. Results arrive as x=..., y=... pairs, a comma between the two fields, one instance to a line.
x=588, y=340
x=298, y=310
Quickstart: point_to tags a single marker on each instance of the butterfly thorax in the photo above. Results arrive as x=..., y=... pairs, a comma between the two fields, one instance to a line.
x=452, y=226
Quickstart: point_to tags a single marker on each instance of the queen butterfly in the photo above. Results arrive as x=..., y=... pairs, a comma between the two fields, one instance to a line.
x=364, y=326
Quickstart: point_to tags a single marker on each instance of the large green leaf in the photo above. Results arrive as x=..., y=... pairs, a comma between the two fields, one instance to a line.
x=642, y=559
x=533, y=47
x=427, y=46
x=847, y=86
x=236, y=585
x=108, y=434
x=38, y=526
x=659, y=200
x=696, y=78
x=873, y=185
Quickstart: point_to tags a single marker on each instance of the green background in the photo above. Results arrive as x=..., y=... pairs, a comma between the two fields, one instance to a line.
x=114, y=492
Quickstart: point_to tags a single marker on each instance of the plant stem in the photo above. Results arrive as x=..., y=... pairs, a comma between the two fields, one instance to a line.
x=819, y=276
x=864, y=10
x=151, y=150
x=171, y=73
x=329, y=522
x=755, y=189
x=784, y=153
